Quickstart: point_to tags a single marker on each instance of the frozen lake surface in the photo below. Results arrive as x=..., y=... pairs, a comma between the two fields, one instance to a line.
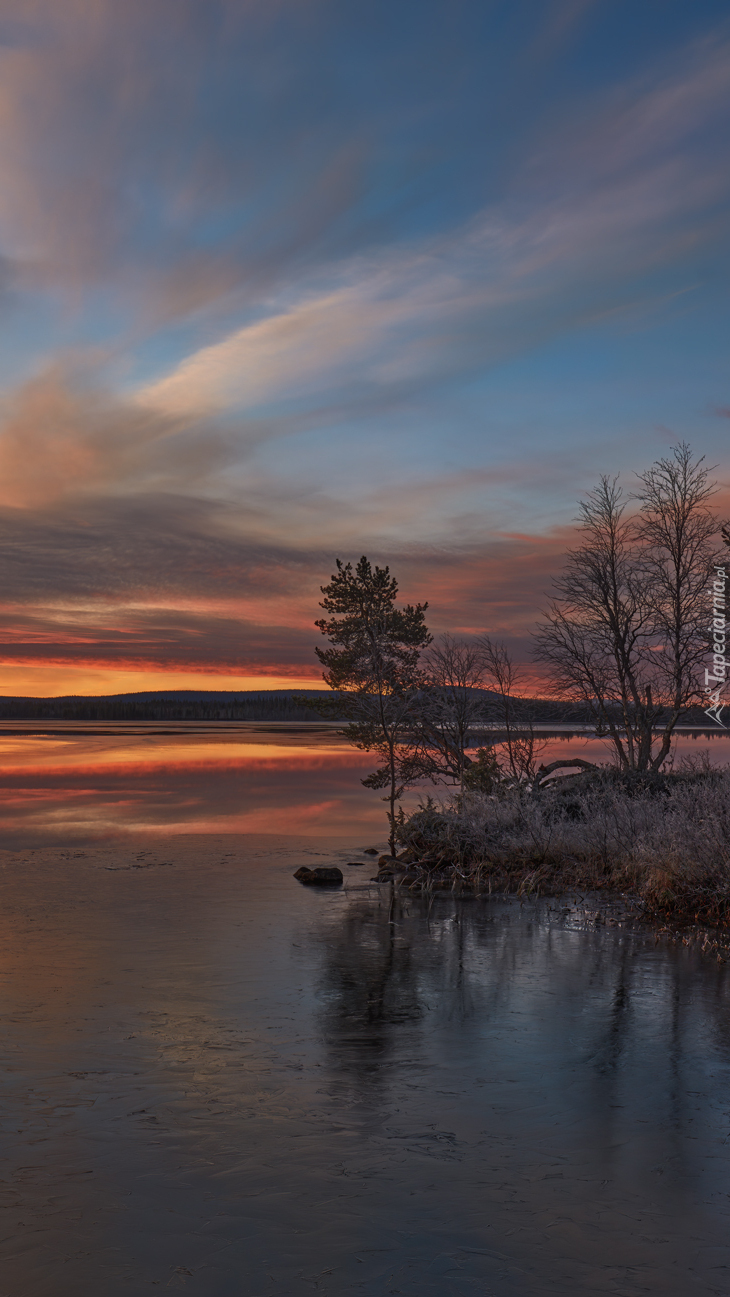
x=215, y=1079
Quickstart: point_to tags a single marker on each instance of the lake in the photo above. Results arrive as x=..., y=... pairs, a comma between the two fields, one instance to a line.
x=76, y=782
x=216, y=1080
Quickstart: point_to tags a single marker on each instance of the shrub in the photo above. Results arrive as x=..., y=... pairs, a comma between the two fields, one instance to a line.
x=667, y=838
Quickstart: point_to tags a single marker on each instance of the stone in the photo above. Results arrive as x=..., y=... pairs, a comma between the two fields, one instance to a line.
x=370, y=851
x=323, y=876
x=355, y=864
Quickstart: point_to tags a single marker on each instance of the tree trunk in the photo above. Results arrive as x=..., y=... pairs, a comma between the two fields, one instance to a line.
x=393, y=799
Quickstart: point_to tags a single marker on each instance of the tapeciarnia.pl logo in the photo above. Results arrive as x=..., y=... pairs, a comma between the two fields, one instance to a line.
x=716, y=679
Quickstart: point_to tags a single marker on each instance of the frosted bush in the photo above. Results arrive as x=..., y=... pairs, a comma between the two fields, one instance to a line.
x=668, y=840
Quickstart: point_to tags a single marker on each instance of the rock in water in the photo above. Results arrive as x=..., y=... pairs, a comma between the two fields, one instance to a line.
x=321, y=877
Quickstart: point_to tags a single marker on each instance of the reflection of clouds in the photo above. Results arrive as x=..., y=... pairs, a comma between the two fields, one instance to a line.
x=56, y=756
x=600, y=752
x=96, y=786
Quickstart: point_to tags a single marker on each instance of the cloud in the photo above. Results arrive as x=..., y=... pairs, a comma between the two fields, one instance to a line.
x=231, y=183
x=160, y=149
x=200, y=155
x=165, y=583
x=139, y=548
x=606, y=205
x=59, y=439
x=561, y=19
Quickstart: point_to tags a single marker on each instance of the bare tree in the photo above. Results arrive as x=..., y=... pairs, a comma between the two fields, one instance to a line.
x=521, y=746
x=451, y=706
x=676, y=529
x=625, y=633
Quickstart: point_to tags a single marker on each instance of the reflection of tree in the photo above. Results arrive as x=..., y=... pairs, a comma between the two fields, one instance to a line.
x=370, y=985
x=617, y=1020
x=411, y=988
x=393, y=962
x=717, y=988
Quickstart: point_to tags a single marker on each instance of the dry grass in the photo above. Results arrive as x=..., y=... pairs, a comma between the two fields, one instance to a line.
x=666, y=841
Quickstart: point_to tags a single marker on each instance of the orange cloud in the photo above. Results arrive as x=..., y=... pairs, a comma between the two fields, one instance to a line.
x=62, y=438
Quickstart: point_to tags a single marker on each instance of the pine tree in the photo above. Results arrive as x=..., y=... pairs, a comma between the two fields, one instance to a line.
x=373, y=666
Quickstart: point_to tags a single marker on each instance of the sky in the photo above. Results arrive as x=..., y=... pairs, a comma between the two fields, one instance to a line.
x=290, y=281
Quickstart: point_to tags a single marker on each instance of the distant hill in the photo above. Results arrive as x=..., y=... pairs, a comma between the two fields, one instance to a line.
x=238, y=705
x=168, y=705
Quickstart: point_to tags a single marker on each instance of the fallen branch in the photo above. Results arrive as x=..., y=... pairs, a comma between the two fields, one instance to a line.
x=544, y=772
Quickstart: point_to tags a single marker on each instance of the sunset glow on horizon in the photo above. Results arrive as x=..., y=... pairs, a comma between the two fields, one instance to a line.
x=289, y=283
x=50, y=681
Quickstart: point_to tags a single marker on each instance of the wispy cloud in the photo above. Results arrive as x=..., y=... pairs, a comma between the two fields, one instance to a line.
x=609, y=204
x=154, y=150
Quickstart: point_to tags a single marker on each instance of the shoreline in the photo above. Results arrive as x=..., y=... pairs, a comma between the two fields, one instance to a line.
x=543, y=882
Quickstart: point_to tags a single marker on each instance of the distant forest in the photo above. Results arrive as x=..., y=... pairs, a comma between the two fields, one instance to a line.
x=254, y=705
x=170, y=705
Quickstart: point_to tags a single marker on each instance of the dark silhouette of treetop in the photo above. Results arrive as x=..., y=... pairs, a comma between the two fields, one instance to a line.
x=374, y=644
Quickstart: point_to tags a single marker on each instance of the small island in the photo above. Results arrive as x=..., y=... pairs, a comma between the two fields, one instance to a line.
x=627, y=649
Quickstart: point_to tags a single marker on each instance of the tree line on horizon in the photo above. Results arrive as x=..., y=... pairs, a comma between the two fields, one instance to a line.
x=256, y=705
x=280, y=705
x=625, y=639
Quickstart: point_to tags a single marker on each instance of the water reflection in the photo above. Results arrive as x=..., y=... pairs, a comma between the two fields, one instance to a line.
x=370, y=986
x=83, y=782
x=699, y=745
x=602, y=1058
x=87, y=784
x=218, y=1080
x=80, y=782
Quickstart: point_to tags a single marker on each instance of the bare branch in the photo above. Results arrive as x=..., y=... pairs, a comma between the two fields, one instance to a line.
x=625, y=633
